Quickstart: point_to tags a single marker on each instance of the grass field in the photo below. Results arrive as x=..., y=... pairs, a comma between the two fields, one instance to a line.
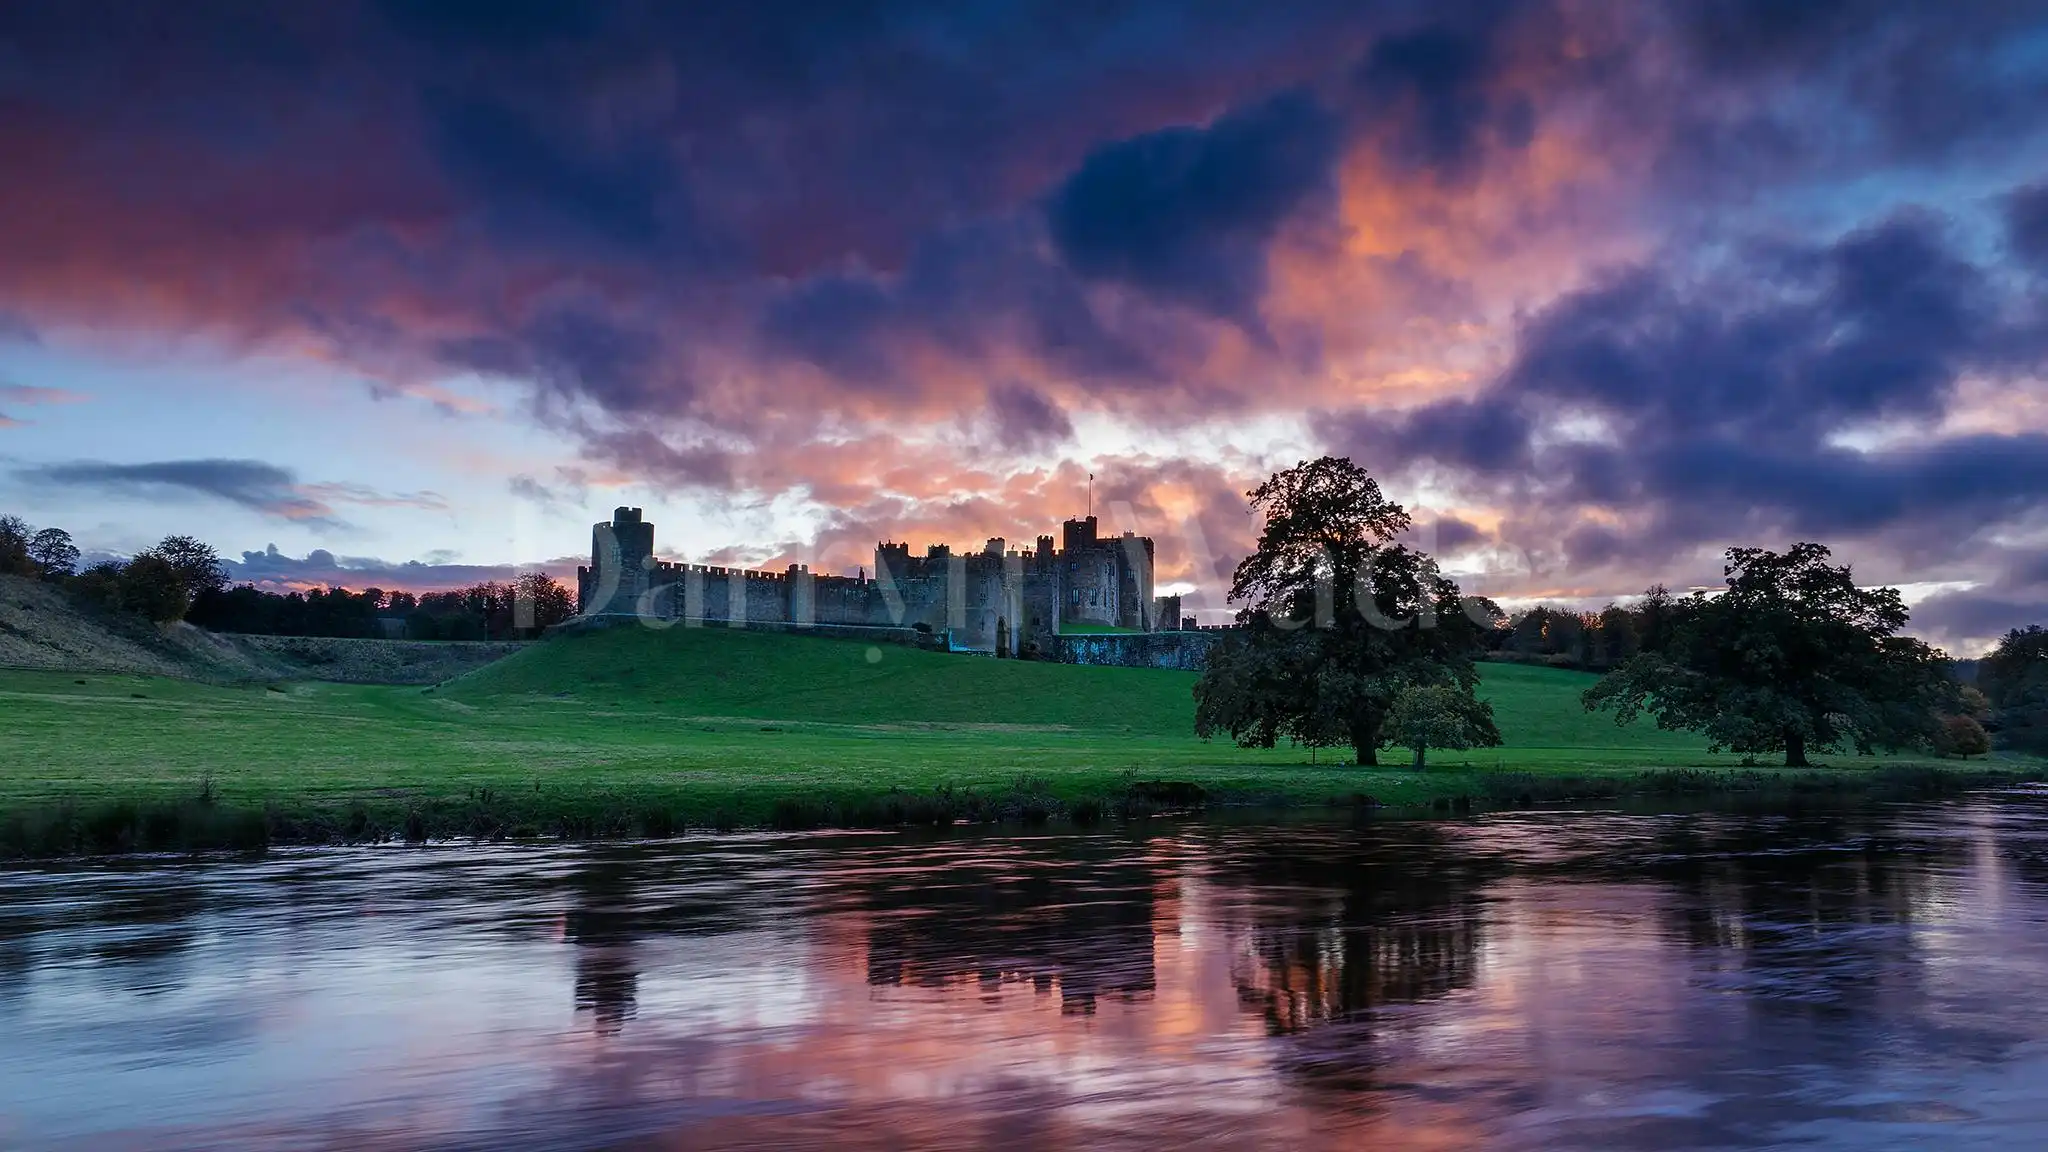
x=631, y=731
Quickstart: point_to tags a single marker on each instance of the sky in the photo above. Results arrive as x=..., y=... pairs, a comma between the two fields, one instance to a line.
x=411, y=293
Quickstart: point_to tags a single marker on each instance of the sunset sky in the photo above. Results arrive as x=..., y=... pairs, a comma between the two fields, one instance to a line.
x=408, y=293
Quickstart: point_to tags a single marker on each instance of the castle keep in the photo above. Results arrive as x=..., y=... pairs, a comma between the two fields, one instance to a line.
x=998, y=599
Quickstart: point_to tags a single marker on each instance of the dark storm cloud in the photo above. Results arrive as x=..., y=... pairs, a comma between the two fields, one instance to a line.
x=1746, y=36
x=662, y=462
x=1186, y=212
x=2016, y=596
x=2026, y=224
x=251, y=484
x=836, y=322
x=1435, y=87
x=1027, y=419
x=1712, y=405
x=1453, y=534
x=964, y=290
x=534, y=179
x=1751, y=94
x=518, y=24
x=1873, y=325
x=844, y=181
x=576, y=348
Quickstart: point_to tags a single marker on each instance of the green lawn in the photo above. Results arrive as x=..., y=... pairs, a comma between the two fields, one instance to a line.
x=709, y=725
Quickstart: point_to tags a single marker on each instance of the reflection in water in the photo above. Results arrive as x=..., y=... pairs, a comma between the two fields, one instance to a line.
x=1826, y=978
x=602, y=923
x=1340, y=926
x=1080, y=919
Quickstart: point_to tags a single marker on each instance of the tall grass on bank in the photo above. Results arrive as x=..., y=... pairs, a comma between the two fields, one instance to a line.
x=200, y=822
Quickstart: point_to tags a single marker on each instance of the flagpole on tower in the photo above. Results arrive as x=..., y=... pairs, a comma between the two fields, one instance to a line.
x=1091, y=494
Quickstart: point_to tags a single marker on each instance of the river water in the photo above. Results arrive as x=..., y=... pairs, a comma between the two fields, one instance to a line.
x=1829, y=978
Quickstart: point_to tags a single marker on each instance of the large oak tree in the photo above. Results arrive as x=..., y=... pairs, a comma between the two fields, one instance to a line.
x=1339, y=618
x=1792, y=657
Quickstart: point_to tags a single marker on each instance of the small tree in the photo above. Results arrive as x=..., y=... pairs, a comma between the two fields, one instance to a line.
x=1961, y=736
x=53, y=553
x=540, y=602
x=198, y=566
x=1440, y=716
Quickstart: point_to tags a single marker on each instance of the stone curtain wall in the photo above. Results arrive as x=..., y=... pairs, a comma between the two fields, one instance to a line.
x=907, y=637
x=1187, y=651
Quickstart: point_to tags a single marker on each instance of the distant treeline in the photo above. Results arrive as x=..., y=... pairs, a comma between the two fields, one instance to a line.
x=184, y=579
x=484, y=611
x=1590, y=641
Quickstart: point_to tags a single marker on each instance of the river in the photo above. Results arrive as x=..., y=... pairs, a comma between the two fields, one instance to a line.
x=1822, y=978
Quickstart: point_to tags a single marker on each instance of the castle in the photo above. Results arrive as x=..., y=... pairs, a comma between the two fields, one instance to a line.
x=1002, y=600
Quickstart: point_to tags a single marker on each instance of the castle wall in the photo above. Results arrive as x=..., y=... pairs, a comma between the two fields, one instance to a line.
x=918, y=590
x=729, y=595
x=1089, y=588
x=844, y=601
x=663, y=597
x=865, y=633
x=1134, y=582
x=988, y=601
x=767, y=597
x=1186, y=651
x=1039, y=600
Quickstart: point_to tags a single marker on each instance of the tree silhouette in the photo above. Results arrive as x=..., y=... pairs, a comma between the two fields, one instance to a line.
x=1339, y=618
x=1792, y=657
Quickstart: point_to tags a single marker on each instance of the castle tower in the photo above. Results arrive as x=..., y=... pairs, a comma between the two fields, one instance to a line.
x=1077, y=534
x=621, y=552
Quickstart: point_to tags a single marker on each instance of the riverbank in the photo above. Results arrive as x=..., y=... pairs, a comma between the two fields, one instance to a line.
x=643, y=734
x=206, y=821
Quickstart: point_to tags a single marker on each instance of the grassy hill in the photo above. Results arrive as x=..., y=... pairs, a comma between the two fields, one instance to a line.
x=711, y=672
x=41, y=627
x=777, y=676
x=630, y=731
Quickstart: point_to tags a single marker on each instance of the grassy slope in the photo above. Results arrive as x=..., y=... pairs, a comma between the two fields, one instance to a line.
x=700, y=723
x=41, y=627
